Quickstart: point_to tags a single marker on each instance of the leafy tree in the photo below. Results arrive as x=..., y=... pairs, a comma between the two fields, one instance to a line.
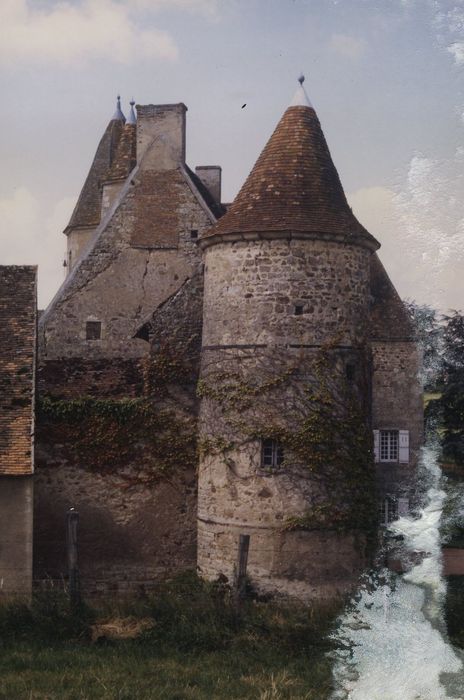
x=429, y=330
x=452, y=399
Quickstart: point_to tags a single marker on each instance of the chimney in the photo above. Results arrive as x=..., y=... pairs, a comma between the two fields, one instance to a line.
x=161, y=136
x=210, y=175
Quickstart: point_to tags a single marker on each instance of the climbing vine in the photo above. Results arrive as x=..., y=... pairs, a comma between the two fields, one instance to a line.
x=109, y=435
x=306, y=404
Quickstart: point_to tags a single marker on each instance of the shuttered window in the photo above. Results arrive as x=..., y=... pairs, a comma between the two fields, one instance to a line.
x=391, y=446
x=392, y=508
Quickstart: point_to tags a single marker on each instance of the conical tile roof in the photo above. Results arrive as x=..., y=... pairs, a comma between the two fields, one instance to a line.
x=125, y=155
x=294, y=187
x=88, y=208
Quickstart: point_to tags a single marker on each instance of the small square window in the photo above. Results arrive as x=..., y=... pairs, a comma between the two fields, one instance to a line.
x=299, y=309
x=272, y=454
x=194, y=234
x=93, y=330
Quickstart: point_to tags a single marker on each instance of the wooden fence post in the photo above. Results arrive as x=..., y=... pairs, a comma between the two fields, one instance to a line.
x=72, y=522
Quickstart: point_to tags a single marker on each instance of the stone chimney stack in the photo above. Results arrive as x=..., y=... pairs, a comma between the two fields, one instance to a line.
x=210, y=175
x=161, y=135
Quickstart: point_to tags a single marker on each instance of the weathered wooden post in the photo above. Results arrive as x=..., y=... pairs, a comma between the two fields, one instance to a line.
x=72, y=522
x=243, y=547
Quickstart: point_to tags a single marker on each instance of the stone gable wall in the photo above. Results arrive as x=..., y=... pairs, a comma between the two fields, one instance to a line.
x=120, y=284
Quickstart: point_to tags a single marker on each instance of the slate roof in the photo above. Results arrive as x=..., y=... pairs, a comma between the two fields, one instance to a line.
x=293, y=187
x=18, y=320
x=389, y=318
x=88, y=208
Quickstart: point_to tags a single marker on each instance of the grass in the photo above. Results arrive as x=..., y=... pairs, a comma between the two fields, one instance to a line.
x=198, y=648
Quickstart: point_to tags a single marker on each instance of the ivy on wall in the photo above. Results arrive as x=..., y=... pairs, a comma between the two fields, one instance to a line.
x=108, y=435
x=307, y=405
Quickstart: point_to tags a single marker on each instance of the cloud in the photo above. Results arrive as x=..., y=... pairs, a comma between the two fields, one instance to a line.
x=448, y=22
x=208, y=8
x=78, y=32
x=420, y=226
x=457, y=51
x=347, y=45
x=35, y=239
x=373, y=207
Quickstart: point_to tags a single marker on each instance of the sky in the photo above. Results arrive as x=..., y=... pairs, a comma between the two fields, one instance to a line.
x=385, y=77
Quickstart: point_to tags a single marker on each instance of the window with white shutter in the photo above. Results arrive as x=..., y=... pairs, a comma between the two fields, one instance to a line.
x=403, y=507
x=376, y=445
x=391, y=446
x=403, y=446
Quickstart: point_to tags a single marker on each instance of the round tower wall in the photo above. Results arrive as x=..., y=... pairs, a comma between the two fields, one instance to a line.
x=285, y=292
x=273, y=375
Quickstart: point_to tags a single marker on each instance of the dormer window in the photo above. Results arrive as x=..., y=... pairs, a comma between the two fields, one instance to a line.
x=93, y=330
x=272, y=454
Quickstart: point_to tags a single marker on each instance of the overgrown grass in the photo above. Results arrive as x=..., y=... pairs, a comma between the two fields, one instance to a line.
x=198, y=648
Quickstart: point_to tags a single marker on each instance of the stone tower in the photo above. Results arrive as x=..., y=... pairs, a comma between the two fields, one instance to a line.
x=285, y=433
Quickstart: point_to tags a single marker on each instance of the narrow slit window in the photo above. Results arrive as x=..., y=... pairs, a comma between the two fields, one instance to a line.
x=350, y=372
x=272, y=454
x=194, y=234
x=93, y=330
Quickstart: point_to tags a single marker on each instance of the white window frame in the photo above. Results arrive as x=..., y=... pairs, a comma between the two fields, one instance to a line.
x=402, y=446
x=392, y=508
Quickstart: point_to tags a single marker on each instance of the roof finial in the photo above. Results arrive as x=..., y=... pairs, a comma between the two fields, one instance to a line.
x=118, y=115
x=300, y=98
x=132, y=119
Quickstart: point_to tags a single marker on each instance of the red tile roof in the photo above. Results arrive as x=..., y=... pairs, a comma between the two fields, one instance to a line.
x=389, y=318
x=293, y=187
x=17, y=365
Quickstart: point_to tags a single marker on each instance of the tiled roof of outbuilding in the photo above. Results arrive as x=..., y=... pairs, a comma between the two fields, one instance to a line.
x=294, y=186
x=88, y=208
x=389, y=318
x=17, y=362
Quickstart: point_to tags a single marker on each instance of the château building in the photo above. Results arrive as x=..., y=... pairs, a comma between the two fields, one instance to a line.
x=207, y=371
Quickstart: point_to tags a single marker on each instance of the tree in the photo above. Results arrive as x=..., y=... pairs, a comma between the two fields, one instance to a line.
x=429, y=332
x=452, y=398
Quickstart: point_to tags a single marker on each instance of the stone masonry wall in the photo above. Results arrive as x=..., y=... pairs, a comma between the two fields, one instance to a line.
x=262, y=282
x=274, y=310
x=397, y=405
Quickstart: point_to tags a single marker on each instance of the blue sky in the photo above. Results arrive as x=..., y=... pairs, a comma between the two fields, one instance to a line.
x=385, y=77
